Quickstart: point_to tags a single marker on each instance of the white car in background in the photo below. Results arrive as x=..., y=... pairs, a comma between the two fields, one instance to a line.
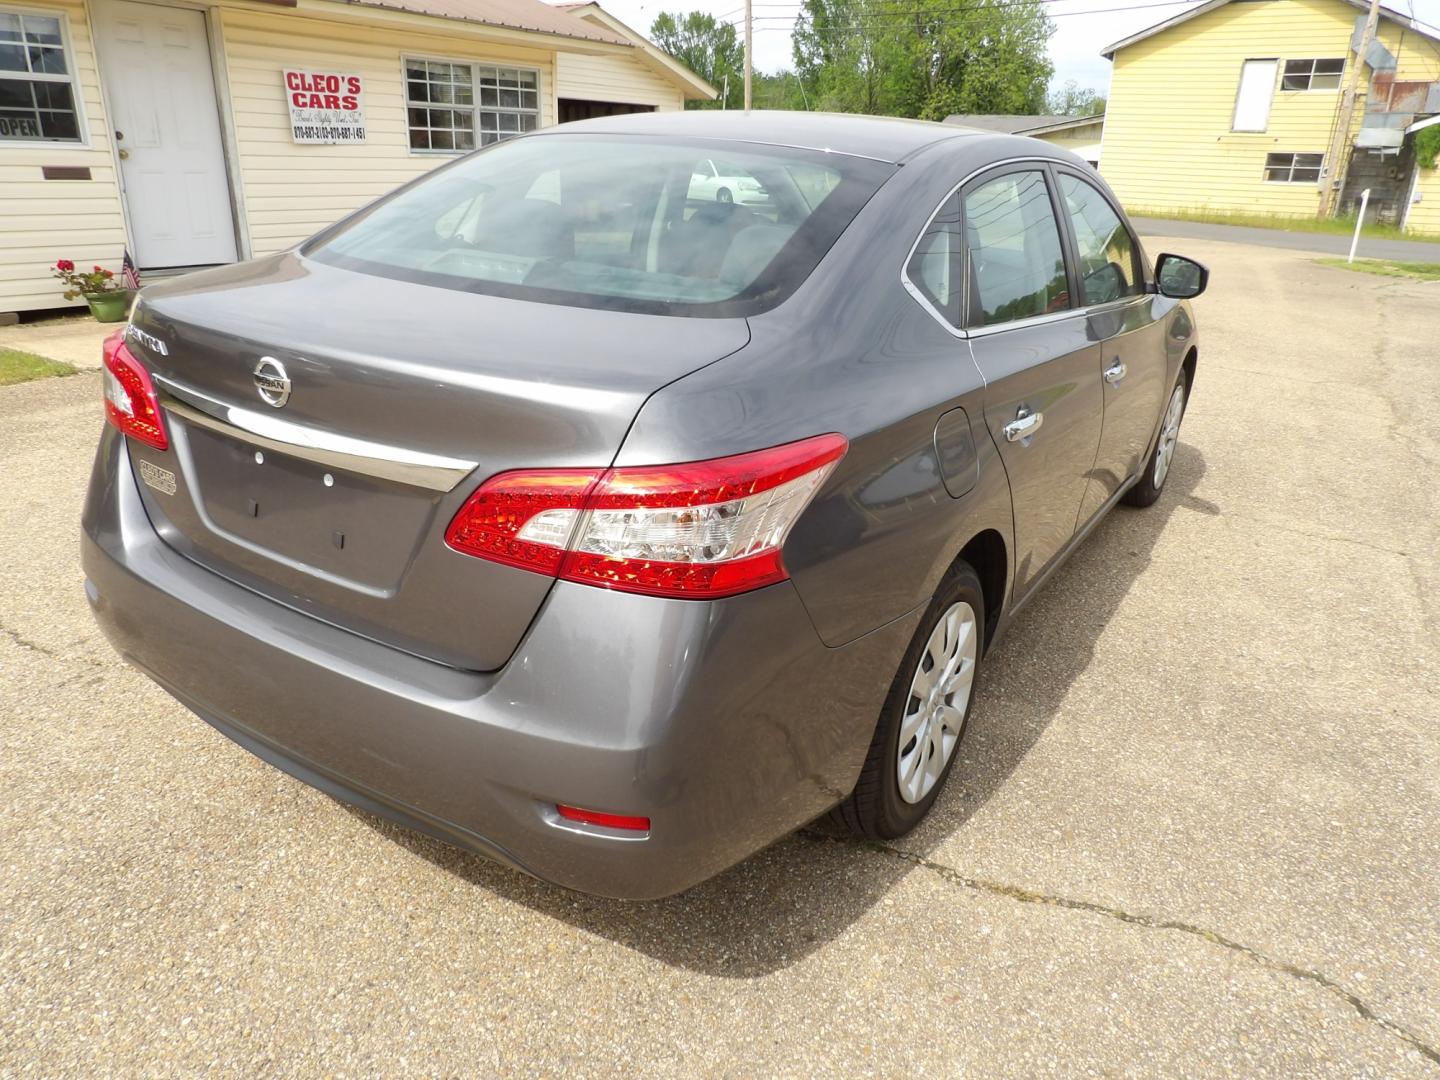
x=720, y=181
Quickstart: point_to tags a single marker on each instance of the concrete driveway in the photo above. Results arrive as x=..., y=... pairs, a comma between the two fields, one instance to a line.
x=1194, y=831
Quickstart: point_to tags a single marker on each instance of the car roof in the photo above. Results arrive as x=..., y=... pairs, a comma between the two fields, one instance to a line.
x=880, y=137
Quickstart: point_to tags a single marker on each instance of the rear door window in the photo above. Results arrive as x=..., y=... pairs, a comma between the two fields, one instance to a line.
x=1107, y=252
x=1017, y=263
x=934, y=268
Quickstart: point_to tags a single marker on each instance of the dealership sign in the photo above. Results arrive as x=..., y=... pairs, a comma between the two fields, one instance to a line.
x=325, y=107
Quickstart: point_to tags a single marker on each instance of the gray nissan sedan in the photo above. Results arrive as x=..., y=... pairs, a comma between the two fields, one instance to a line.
x=557, y=507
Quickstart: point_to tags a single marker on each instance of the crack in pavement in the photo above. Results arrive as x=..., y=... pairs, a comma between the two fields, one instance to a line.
x=26, y=643
x=1150, y=922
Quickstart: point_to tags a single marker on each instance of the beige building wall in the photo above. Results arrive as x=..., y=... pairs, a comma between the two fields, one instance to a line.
x=1084, y=141
x=290, y=191
x=45, y=220
x=283, y=192
x=614, y=78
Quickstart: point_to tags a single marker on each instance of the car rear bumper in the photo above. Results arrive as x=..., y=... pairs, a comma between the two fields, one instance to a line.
x=727, y=723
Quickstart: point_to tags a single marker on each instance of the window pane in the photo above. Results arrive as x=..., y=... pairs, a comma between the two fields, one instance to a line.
x=42, y=29
x=1279, y=160
x=1277, y=175
x=1309, y=161
x=1252, y=102
x=1307, y=176
x=51, y=95
x=419, y=140
x=12, y=58
x=1331, y=67
x=9, y=27
x=1297, y=67
x=1295, y=82
x=58, y=125
x=1105, y=247
x=47, y=59
x=1325, y=82
x=600, y=222
x=1015, y=252
x=932, y=267
x=16, y=94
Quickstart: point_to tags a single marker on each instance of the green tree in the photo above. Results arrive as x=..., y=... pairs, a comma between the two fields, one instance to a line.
x=924, y=58
x=709, y=48
x=1074, y=100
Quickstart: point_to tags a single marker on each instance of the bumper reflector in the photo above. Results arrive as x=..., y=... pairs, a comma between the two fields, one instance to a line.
x=609, y=821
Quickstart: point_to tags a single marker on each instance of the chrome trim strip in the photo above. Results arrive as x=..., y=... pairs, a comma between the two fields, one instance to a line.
x=433, y=472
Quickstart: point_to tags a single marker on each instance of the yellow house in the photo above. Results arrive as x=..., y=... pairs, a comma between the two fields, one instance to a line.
x=201, y=132
x=1231, y=105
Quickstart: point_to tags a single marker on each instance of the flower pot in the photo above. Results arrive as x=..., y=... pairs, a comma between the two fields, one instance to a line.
x=110, y=306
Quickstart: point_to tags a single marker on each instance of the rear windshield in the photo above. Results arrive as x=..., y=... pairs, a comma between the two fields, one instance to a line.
x=635, y=224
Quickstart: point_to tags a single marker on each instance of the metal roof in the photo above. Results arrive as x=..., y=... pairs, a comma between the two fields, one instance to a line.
x=531, y=15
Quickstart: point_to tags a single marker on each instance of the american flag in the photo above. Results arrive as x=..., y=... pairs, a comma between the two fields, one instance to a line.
x=128, y=274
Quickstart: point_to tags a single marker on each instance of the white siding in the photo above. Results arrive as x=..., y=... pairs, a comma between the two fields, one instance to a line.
x=44, y=220
x=622, y=79
x=292, y=191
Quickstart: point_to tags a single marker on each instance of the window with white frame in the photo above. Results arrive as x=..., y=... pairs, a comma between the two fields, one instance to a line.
x=37, y=82
x=1252, y=100
x=1293, y=168
x=454, y=106
x=1313, y=74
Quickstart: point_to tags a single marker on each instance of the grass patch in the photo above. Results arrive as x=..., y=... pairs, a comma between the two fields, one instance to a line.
x=18, y=367
x=1416, y=271
x=1339, y=226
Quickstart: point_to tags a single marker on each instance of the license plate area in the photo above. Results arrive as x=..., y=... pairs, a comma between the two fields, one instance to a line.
x=356, y=527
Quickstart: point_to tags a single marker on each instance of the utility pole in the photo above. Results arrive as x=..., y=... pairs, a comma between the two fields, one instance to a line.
x=725, y=94
x=748, y=32
x=1338, y=157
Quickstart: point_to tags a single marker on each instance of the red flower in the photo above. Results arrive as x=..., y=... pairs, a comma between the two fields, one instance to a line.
x=65, y=264
x=98, y=270
x=109, y=273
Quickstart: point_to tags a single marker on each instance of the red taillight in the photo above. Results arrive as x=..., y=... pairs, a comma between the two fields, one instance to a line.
x=703, y=529
x=130, y=402
x=609, y=821
x=541, y=503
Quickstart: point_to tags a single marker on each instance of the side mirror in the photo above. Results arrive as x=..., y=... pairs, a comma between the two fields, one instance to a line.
x=1179, y=277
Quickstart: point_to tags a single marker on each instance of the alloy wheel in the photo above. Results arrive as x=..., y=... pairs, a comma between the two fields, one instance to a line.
x=939, y=696
x=1169, y=435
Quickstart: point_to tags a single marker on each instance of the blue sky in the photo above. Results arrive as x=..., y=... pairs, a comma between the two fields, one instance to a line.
x=1082, y=27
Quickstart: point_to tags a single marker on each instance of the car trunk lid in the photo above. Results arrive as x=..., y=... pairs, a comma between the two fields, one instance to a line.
x=395, y=400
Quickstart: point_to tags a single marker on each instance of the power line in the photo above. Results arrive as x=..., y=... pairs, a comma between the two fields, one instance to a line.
x=898, y=18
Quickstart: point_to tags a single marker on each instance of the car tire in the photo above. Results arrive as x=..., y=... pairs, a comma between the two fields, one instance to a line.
x=1157, y=466
x=880, y=808
x=724, y=196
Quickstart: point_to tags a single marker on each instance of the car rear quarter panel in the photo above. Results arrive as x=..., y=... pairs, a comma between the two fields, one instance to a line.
x=852, y=351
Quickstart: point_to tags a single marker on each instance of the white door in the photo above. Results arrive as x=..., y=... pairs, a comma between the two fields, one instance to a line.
x=156, y=65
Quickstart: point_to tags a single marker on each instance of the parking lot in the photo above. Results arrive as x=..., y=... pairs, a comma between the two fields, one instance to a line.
x=1194, y=830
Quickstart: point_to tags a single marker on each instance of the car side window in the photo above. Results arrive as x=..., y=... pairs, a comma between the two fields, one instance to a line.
x=1016, y=261
x=934, y=268
x=1106, y=249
